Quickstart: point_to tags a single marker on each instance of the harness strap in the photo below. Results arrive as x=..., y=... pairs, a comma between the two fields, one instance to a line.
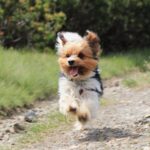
x=95, y=90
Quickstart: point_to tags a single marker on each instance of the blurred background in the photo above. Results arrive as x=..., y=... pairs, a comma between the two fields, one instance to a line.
x=121, y=24
x=28, y=29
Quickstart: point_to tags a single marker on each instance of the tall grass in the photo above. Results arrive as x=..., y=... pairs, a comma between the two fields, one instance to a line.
x=123, y=63
x=26, y=76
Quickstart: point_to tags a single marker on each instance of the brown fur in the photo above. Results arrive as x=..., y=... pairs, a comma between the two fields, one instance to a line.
x=83, y=113
x=93, y=40
x=83, y=118
x=72, y=110
x=89, y=48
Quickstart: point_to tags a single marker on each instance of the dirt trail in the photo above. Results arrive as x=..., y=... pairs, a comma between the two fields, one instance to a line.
x=123, y=124
x=10, y=133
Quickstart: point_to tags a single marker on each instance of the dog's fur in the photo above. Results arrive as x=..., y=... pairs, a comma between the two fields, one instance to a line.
x=80, y=85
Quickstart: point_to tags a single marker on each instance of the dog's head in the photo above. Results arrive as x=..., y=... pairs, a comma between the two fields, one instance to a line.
x=78, y=56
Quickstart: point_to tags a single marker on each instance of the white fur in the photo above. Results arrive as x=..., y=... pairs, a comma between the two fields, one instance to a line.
x=87, y=102
x=69, y=37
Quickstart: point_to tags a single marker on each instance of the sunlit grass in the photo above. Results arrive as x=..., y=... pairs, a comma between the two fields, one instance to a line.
x=26, y=76
x=123, y=63
x=115, y=65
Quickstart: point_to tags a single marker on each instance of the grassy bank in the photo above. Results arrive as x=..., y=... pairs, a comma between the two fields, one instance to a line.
x=124, y=63
x=26, y=76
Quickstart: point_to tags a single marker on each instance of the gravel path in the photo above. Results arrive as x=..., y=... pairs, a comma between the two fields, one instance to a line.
x=11, y=128
x=123, y=124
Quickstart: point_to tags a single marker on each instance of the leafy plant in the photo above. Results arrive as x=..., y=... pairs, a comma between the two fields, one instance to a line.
x=29, y=23
x=121, y=24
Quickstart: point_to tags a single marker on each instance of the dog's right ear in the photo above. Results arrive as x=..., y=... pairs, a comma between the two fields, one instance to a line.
x=60, y=42
x=93, y=41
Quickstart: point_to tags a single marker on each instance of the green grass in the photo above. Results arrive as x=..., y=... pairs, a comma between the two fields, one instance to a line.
x=123, y=63
x=130, y=82
x=137, y=80
x=26, y=76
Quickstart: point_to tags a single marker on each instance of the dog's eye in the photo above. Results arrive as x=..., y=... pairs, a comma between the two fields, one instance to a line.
x=81, y=55
x=67, y=55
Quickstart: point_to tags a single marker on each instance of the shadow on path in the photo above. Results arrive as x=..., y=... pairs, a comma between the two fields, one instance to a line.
x=107, y=134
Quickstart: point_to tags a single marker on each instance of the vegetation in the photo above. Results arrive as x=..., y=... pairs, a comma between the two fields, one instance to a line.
x=123, y=63
x=29, y=23
x=28, y=75
x=121, y=24
x=137, y=80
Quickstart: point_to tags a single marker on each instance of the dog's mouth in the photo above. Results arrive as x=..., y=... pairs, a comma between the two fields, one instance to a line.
x=75, y=71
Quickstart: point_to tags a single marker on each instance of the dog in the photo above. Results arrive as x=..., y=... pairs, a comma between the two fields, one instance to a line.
x=80, y=85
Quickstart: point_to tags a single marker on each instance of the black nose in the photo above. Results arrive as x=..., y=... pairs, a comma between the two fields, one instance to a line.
x=71, y=62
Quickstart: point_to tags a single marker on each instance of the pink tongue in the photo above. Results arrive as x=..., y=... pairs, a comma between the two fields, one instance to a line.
x=73, y=71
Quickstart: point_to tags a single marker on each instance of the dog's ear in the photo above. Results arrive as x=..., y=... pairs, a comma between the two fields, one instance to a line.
x=62, y=38
x=93, y=41
x=60, y=42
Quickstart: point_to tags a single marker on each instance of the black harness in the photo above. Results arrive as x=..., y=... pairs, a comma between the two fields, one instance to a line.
x=96, y=76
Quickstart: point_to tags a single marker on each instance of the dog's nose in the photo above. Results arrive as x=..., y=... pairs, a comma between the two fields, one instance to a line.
x=71, y=62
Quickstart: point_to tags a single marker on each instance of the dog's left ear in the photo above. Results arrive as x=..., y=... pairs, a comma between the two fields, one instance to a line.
x=60, y=42
x=93, y=41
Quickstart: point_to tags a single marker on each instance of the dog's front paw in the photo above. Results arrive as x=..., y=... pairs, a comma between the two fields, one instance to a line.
x=68, y=110
x=83, y=118
x=72, y=110
x=73, y=107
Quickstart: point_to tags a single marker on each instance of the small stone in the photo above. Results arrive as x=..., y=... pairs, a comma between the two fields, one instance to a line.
x=7, y=131
x=30, y=116
x=13, y=144
x=145, y=120
x=117, y=83
x=1, y=136
x=18, y=127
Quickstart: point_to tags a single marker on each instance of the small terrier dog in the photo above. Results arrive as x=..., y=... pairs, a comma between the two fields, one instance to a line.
x=80, y=85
